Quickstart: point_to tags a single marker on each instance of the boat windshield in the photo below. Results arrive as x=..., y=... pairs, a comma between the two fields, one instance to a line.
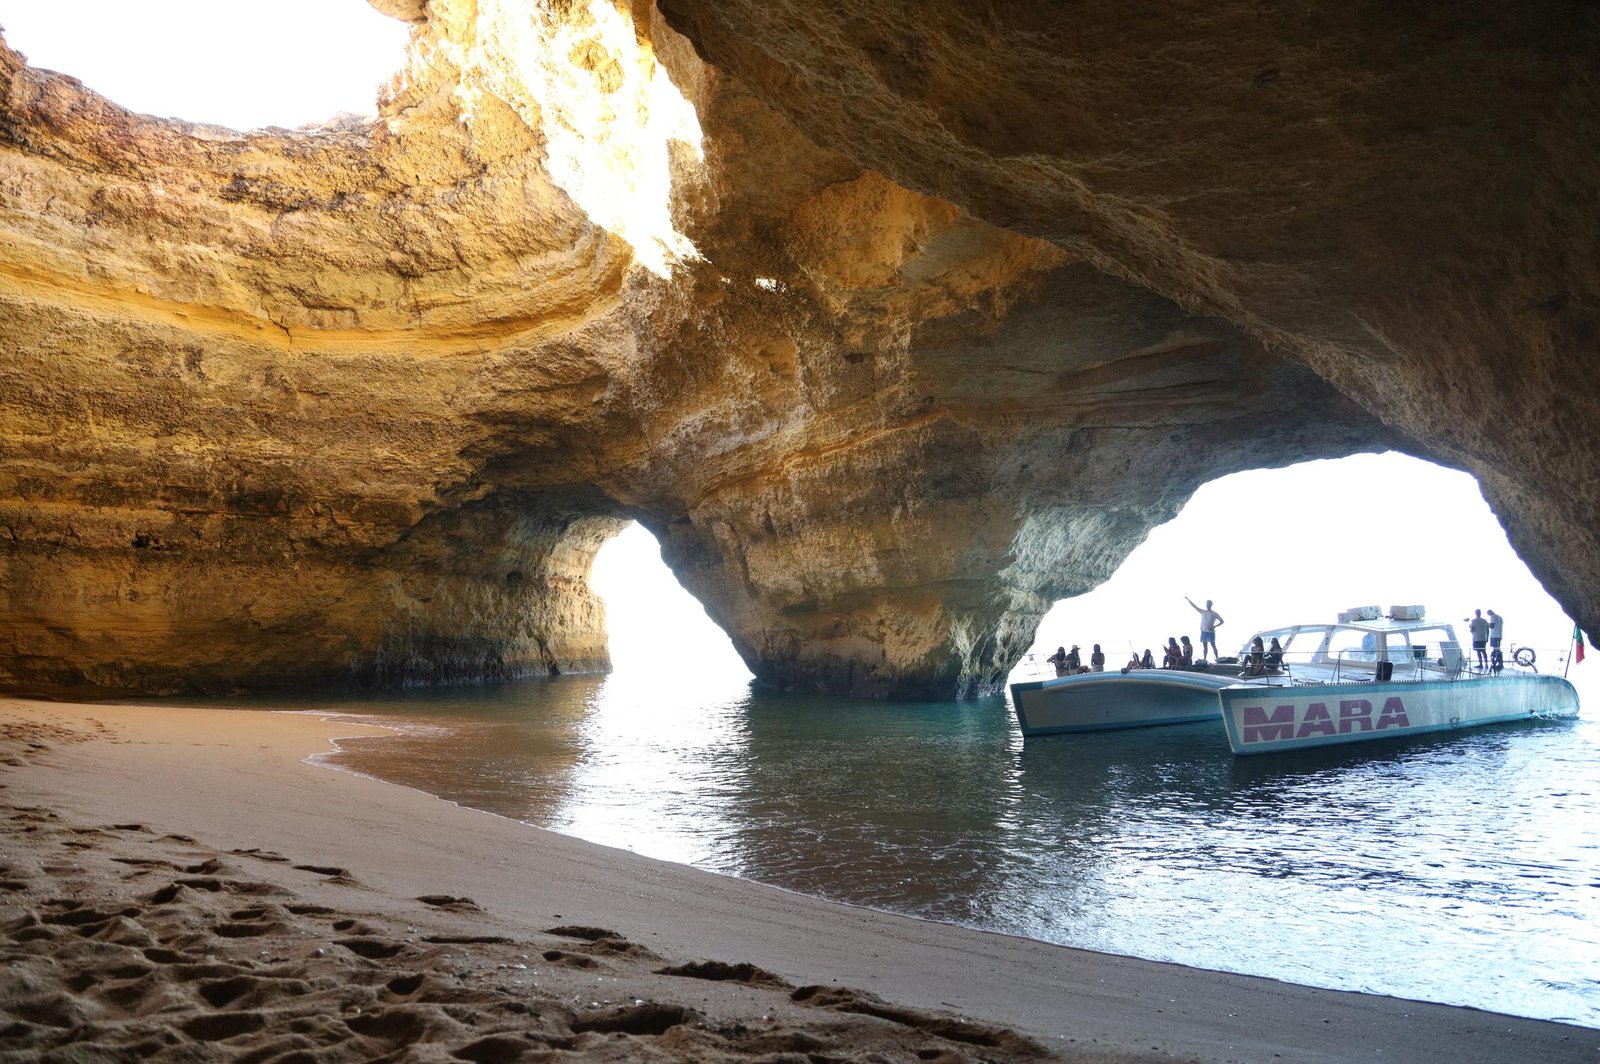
x=1352, y=644
x=1304, y=643
x=1331, y=644
x=1421, y=644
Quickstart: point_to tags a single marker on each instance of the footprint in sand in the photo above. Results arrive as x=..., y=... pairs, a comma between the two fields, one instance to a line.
x=334, y=873
x=648, y=1018
x=449, y=903
x=563, y=959
x=602, y=942
x=952, y=1028
x=373, y=949
x=721, y=972
x=263, y=855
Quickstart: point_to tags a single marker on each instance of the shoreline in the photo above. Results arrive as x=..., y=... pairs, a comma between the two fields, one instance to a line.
x=372, y=853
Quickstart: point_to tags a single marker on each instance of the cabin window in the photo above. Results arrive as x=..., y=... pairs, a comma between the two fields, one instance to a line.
x=1429, y=640
x=1303, y=647
x=1351, y=645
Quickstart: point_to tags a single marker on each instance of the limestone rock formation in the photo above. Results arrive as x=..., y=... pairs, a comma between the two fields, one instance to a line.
x=1402, y=200
x=359, y=404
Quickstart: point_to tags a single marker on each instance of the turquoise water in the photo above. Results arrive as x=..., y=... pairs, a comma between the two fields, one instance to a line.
x=1462, y=869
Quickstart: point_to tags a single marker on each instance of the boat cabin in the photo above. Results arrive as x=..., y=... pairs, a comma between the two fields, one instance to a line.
x=1362, y=638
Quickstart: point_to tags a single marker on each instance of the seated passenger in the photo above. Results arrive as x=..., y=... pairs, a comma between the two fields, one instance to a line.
x=1275, y=654
x=1174, y=656
x=1188, y=652
x=1147, y=662
x=1255, y=661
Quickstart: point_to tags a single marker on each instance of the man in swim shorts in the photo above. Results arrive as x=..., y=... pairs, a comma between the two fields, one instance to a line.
x=1209, y=619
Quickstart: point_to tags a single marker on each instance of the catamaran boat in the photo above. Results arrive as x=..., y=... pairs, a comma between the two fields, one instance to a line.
x=1101, y=701
x=1372, y=675
x=1131, y=698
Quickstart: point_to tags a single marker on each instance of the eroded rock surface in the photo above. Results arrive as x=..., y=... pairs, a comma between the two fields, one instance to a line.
x=361, y=403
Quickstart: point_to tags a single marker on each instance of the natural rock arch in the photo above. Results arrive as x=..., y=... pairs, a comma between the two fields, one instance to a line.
x=361, y=403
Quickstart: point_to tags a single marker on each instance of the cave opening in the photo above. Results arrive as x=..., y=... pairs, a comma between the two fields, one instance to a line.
x=616, y=131
x=1298, y=544
x=289, y=64
x=652, y=624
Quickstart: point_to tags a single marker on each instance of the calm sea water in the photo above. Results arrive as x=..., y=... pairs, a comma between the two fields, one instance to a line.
x=1463, y=869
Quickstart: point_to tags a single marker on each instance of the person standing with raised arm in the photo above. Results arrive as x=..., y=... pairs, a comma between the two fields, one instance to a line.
x=1209, y=619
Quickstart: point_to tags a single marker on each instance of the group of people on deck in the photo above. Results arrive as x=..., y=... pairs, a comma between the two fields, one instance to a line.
x=1178, y=654
x=1259, y=659
x=1068, y=663
x=1486, y=637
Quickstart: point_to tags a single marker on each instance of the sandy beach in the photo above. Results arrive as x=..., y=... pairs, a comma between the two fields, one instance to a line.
x=184, y=883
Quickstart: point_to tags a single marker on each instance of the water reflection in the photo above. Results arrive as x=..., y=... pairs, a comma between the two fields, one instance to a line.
x=1455, y=869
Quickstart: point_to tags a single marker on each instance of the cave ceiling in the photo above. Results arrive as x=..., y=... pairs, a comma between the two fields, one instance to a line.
x=940, y=310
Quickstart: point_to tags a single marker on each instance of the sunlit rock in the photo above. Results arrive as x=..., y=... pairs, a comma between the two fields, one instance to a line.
x=899, y=355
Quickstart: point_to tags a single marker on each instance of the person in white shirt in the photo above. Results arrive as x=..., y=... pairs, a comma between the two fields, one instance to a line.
x=1209, y=619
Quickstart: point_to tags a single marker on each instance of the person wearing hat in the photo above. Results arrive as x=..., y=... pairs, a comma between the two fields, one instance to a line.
x=1074, y=663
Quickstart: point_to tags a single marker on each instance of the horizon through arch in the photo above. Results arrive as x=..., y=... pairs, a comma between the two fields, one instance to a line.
x=1270, y=546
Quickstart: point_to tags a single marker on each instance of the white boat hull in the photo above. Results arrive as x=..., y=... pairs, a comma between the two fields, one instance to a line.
x=1264, y=721
x=1101, y=701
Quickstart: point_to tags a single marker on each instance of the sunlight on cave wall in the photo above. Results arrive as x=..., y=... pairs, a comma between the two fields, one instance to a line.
x=606, y=108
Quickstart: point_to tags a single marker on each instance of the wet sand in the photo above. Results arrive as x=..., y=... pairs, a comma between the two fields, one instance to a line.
x=183, y=883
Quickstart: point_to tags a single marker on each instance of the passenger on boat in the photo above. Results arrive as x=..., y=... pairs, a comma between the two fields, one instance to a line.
x=1133, y=663
x=1255, y=662
x=1209, y=620
x=1074, y=663
x=1147, y=662
x=1480, y=638
x=1188, y=653
x=1059, y=660
x=1497, y=631
x=1097, y=660
x=1174, y=655
x=1275, y=654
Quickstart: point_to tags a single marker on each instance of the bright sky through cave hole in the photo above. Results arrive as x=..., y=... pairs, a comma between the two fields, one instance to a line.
x=245, y=66
x=1271, y=546
x=609, y=122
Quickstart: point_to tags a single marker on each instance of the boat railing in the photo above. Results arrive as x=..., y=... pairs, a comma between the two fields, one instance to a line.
x=1451, y=663
x=1034, y=667
x=1361, y=666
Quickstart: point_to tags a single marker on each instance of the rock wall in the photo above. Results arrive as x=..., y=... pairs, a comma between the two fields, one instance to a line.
x=1399, y=198
x=359, y=404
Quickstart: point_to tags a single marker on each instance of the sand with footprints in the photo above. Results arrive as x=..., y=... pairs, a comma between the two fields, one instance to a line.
x=183, y=884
